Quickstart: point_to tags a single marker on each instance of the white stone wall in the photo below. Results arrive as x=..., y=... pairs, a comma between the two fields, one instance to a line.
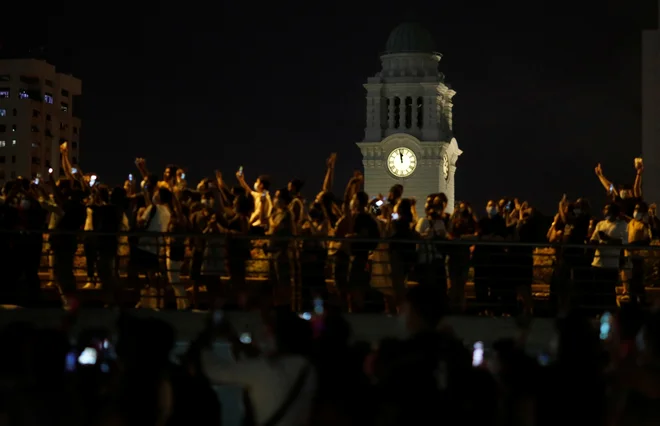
x=413, y=75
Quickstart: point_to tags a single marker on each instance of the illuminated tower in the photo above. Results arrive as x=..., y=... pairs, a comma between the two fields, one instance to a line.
x=408, y=135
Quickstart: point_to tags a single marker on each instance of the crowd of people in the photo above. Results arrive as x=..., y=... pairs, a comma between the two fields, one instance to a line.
x=311, y=372
x=380, y=242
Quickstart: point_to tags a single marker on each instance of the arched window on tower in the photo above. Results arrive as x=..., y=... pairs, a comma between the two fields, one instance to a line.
x=420, y=112
x=397, y=112
x=386, y=114
x=409, y=112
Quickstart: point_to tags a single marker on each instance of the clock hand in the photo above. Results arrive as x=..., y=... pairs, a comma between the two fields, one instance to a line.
x=401, y=155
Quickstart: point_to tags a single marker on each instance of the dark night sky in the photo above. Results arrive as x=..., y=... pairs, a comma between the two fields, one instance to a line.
x=544, y=91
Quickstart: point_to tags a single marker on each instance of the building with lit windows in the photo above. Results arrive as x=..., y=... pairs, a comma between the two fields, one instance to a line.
x=409, y=136
x=37, y=114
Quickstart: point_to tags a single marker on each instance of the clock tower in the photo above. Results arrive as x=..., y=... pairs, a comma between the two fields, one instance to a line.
x=408, y=136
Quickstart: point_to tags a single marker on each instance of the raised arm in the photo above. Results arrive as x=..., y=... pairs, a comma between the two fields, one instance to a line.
x=352, y=187
x=609, y=186
x=67, y=168
x=141, y=165
x=329, y=173
x=637, y=187
x=221, y=189
x=562, y=208
x=240, y=177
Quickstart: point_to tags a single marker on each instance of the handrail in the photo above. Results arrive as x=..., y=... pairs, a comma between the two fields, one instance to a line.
x=448, y=243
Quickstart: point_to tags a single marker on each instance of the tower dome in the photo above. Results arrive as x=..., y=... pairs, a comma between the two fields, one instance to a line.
x=410, y=37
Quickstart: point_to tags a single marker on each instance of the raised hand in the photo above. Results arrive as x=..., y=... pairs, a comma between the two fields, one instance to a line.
x=331, y=160
x=598, y=170
x=64, y=147
x=563, y=202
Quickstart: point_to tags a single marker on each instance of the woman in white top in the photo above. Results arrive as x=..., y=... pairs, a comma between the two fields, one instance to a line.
x=279, y=381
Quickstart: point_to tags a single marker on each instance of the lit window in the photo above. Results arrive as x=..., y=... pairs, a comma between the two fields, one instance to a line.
x=3, y=144
x=35, y=145
x=3, y=112
x=5, y=93
x=13, y=127
x=23, y=94
x=13, y=142
x=64, y=106
x=48, y=98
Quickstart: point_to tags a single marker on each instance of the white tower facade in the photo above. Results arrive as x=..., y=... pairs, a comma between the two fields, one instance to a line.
x=651, y=112
x=408, y=136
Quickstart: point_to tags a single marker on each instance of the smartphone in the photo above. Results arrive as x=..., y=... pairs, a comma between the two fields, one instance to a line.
x=108, y=350
x=606, y=326
x=611, y=188
x=36, y=181
x=70, y=362
x=92, y=180
x=245, y=338
x=508, y=206
x=395, y=216
x=218, y=316
x=240, y=171
x=88, y=356
x=74, y=170
x=183, y=175
x=379, y=203
x=478, y=354
x=50, y=170
x=130, y=177
x=318, y=306
x=306, y=316
x=640, y=341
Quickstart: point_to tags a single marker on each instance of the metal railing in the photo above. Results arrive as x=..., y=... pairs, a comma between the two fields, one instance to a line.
x=477, y=275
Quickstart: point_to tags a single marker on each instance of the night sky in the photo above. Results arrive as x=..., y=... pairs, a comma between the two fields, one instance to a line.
x=544, y=91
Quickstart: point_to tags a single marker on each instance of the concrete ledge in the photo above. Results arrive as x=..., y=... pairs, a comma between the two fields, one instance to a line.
x=369, y=327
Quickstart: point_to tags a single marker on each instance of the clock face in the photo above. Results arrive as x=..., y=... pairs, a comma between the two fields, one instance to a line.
x=402, y=162
x=445, y=166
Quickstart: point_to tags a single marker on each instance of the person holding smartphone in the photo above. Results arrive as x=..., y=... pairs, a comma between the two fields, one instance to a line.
x=263, y=205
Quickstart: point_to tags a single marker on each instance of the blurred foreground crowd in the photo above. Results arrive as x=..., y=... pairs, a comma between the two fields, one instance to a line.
x=309, y=371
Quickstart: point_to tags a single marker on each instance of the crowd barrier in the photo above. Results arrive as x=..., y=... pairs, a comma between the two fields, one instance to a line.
x=293, y=270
